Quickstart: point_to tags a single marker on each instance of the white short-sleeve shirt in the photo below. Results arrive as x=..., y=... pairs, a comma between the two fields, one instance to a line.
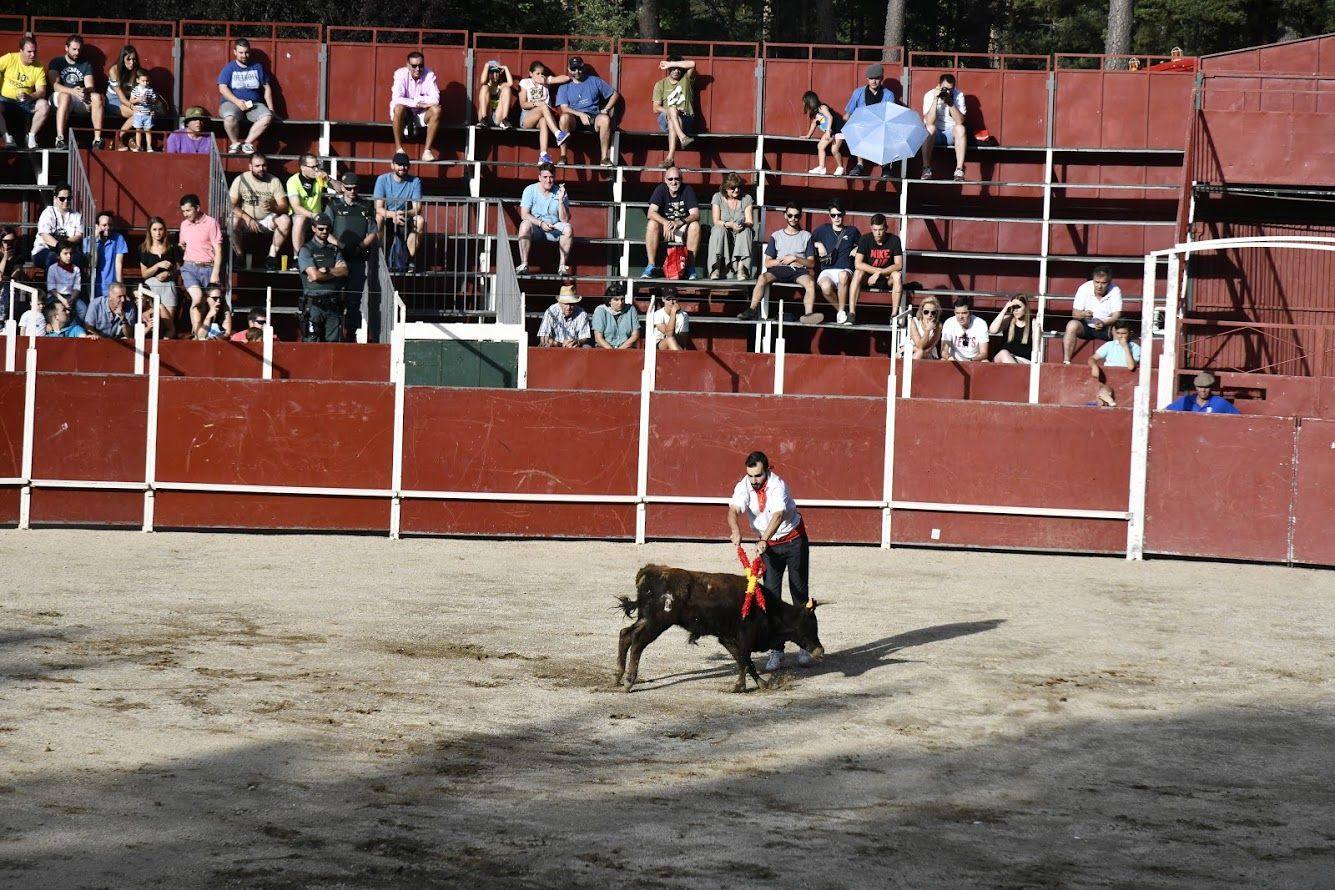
x=681, y=326
x=777, y=500
x=1102, y=309
x=959, y=344
x=932, y=100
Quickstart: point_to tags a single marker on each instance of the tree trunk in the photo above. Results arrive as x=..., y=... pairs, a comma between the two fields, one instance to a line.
x=894, y=25
x=825, y=21
x=647, y=15
x=1118, y=42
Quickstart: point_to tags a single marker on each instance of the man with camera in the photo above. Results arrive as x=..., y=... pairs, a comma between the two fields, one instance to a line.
x=943, y=115
x=324, y=273
x=356, y=232
x=59, y=224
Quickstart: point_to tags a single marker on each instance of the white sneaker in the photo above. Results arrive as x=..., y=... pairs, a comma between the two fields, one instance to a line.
x=803, y=657
x=841, y=318
x=775, y=659
x=32, y=140
x=819, y=171
x=839, y=171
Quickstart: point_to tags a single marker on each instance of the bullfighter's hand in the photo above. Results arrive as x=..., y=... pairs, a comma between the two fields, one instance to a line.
x=760, y=546
x=736, y=538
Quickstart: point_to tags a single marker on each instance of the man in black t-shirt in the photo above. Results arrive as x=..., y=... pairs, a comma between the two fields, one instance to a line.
x=674, y=217
x=74, y=91
x=877, y=264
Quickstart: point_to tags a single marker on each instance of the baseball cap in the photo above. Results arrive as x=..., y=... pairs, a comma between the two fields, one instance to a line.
x=493, y=64
x=875, y=71
x=351, y=178
x=400, y=157
x=1204, y=378
x=575, y=63
x=322, y=219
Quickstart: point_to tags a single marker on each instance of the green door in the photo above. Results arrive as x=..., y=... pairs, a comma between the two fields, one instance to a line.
x=469, y=363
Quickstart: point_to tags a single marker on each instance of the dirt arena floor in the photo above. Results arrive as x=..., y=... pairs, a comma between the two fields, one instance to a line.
x=291, y=711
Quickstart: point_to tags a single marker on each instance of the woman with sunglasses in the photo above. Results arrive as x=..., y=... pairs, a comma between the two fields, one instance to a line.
x=732, y=231
x=925, y=330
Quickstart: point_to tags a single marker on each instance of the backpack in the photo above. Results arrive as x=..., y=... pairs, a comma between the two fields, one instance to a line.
x=674, y=264
x=398, y=258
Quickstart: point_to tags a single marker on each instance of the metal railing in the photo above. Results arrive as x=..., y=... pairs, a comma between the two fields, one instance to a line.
x=220, y=208
x=81, y=199
x=450, y=275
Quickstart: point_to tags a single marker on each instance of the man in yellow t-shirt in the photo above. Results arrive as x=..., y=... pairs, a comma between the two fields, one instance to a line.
x=23, y=89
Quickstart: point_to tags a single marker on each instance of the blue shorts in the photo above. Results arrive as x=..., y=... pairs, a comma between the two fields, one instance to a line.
x=1088, y=332
x=29, y=107
x=946, y=137
x=142, y=121
x=687, y=123
x=198, y=275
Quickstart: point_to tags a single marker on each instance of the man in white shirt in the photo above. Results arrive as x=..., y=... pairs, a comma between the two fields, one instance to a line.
x=943, y=115
x=1098, y=303
x=964, y=335
x=671, y=324
x=58, y=224
x=763, y=498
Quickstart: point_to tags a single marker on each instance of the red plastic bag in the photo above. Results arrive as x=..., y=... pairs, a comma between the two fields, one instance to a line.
x=674, y=266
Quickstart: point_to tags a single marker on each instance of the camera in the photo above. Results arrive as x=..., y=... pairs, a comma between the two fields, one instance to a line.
x=944, y=94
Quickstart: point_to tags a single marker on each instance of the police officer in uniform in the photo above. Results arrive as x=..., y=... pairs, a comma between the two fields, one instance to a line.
x=323, y=275
x=356, y=232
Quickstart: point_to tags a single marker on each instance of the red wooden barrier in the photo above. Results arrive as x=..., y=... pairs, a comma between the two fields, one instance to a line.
x=585, y=369
x=835, y=375
x=215, y=358
x=135, y=190
x=103, y=39
x=725, y=83
x=1007, y=95
x=1219, y=486
x=832, y=71
x=59, y=354
x=1296, y=148
x=289, y=50
x=1096, y=107
x=1314, y=504
x=732, y=372
x=362, y=62
x=11, y=443
x=1310, y=55
x=365, y=362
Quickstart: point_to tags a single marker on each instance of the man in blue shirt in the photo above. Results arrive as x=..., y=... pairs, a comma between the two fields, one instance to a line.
x=544, y=212
x=1203, y=400
x=59, y=323
x=872, y=94
x=586, y=103
x=111, y=315
x=110, y=250
x=616, y=325
x=246, y=93
x=398, y=201
x=835, y=243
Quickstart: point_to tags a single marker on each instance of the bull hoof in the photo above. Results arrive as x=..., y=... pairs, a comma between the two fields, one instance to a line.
x=625, y=687
x=739, y=686
x=616, y=678
x=762, y=683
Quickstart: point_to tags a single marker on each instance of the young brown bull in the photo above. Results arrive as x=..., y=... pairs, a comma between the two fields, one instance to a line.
x=709, y=604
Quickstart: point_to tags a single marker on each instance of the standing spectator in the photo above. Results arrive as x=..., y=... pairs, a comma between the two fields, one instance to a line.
x=1119, y=352
x=873, y=93
x=544, y=212
x=191, y=138
x=216, y=320
x=23, y=90
x=398, y=202
x=120, y=83
x=144, y=102
x=58, y=224
x=674, y=217
x=201, y=254
x=414, y=102
x=259, y=204
x=835, y=245
x=943, y=115
x=355, y=229
x=306, y=197
x=586, y=101
x=732, y=231
x=789, y=258
x=255, y=321
x=64, y=280
x=878, y=263
x=11, y=267
x=1098, y=303
x=109, y=250
x=671, y=324
x=565, y=323
x=924, y=331
x=247, y=94
x=74, y=91
x=495, y=96
x=159, y=263
x=111, y=315
x=1203, y=400
x=674, y=103
x=616, y=325
x=535, y=104
x=60, y=322
x=1016, y=326
x=964, y=335
x=831, y=138
x=324, y=273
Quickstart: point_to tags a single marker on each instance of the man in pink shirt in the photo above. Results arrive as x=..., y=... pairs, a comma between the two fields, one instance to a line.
x=201, y=261
x=414, y=101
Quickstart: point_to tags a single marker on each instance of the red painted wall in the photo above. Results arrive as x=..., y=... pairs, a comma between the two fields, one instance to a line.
x=1314, y=494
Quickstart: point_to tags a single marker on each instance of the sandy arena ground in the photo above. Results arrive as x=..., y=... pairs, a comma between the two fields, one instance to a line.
x=291, y=711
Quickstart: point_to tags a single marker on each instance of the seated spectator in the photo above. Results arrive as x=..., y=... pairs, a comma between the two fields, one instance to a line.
x=831, y=138
x=874, y=93
x=964, y=335
x=674, y=103
x=398, y=203
x=732, y=231
x=159, y=263
x=74, y=92
x=145, y=103
x=109, y=250
x=835, y=245
x=121, y=78
x=586, y=102
x=878, y=262
x=616, y=325
x=215, y=322
x=201, y=254
x=414, y=103
x=789, y=258
x=535, y=108
x=112, y=314
x=23, y=91
x=254, y=335
x=32, y=323
x=671, y=324
x=674, y=218
x=544, y=212
x=255, y=321
x=1016, y=327
x=58, y=225
x=495, y=96
x=60, y=322
x=565, y=323
x=247, y=94
x=1203, y=400
x=1119, y=352
x=924, y=330
x=11, y=266
x=943, y=115
x=307, y=194
x=259, y=204
x=191, y=139
x=64, y=279
x=1098, y=303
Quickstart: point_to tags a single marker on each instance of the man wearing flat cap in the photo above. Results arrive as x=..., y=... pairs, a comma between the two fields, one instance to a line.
x=874, y=93
x=1203, y=400
x=191, y=139
x=323, y=275
x=355, y=231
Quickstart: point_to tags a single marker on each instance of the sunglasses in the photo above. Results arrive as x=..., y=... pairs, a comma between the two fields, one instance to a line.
x=834, y=214
x=672, y=179
x=792, y=216
x=62, y=197
x=417, y=65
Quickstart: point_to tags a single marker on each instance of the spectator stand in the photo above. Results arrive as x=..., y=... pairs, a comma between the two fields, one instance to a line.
x=156, y=41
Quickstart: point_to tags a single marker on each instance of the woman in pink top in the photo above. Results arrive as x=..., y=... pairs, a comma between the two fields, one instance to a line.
x=201, y=247
x=415, y=93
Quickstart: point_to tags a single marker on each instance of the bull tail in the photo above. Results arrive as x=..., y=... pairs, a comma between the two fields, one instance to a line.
x=627, y=605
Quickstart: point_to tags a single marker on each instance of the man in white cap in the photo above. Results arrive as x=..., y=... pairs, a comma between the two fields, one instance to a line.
x=1203, y=400
x=565, y=323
